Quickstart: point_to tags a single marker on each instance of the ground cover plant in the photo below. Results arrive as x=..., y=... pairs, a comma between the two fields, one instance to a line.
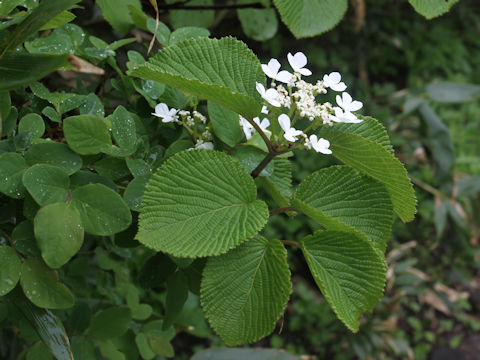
x=140, y=185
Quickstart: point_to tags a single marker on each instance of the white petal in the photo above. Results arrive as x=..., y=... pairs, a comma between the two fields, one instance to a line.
x=265, y=124
x=338, y=87
x=339, y=100
x=271, y=96
x=313, y=139
x=300, y=59
x=161, y=109
x=274, y=65
x=291, y=61
x=334, y=77
x=264, y=109
x=346, y=100
x=356, y=105
x=305, y=71
x=284, y=122
x=284, y=76
x=205, y=145
x=260, y=88
x=323, y=146
x=257, y=120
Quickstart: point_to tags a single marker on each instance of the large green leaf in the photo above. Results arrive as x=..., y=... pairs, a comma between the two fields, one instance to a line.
x=38, y=17
x=432, y=8
x=177, y=293
x=200, y=203
x=449, y=92
x=375, y=160
x=307, y=18
x=340, y=198
x=87, y=134
x=244, y=292
x=10, y=267
x=41, y=286
x=348, y=270
x=102, y=210
x=19, y=69
x=59, y=233
x=56, y=154
x=12, y=167
x=48, y=326
x=258, y=24
x=46, y=183
x=224, y=71
x=279, y=184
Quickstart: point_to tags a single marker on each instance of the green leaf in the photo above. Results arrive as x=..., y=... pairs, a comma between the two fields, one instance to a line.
x=24, y=240
x=161, y=346
x=56, y=154
x=307, y=18
x=12, y=167
x=226, y=124
x=443, y=150
x=340, y=198
x=244, y=292
x=102, y=210
x=32, y=123
x=7, y=6
x=242, y=354
x=123, y=129
x=250, y=157
x=144, y=347
x=112, y=168
x=200, y=203
x=279, y=184
x=33, y=22
x=163, y=32
x=38, y=352
x=46, y=183
x=110, y=323
x=448, y=92
x=348, y=270
x=138, y=167
x=61, y=19
x=5, y=108
x=117, y=14
x=134, y=192
x=59, y=233
x=48, y=326
x=83, y=348
x=373, y=159
x=86, y=134
x=9, y=123
x=156, y=270
x=42, y=288
x=258, y=24
x=20, y=69
x=224, y=71
x=56, y=43
x=177, y=293
x=200, y=18
x=432, y=8
x=92, y=106
x=10, y=266
x=187, y=32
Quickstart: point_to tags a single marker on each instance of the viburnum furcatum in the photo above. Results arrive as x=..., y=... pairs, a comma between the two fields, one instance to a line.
x=288, y=102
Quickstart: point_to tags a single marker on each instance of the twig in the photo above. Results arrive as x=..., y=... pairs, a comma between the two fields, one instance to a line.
x=263, y=164
x=281, y=210
x=291, y=242
x=427, y=187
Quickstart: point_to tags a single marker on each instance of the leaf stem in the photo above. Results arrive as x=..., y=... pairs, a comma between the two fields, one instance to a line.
x=291, y=242
x=11, y=243
x=263, y=164
x=281, y=210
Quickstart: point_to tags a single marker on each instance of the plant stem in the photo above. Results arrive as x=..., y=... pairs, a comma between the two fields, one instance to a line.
x=263, y=164
x=11, y=243
x=427, y=187
x=291, y=242
x=281, y=210
x=183, y=6
x=263, y=135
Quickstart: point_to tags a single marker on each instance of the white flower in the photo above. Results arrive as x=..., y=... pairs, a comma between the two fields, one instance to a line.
x=269, y=95
x=345, y=117
x=291, y=134
x=319, y=145
x=264, y=109
x=263, y=125
x=333, y=81
x=297, y=62
x=347, y=103
x=247, y=127
x=204, y=145
x=271, y=70
x=162, y=111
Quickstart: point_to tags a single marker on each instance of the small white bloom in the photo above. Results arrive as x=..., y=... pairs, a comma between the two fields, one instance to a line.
x=247, y=127
x=344, y=117
x=263, y=125
x=319, y=145
x=347, y=103
x=332, y=81
x=297, y=62
x=264, y=109
x=291, y=134
x=162, y=111
x=269, y=95
x=204, y=145
x=271, y=70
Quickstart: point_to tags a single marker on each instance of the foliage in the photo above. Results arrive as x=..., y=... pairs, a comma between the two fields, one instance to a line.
x=118, y=228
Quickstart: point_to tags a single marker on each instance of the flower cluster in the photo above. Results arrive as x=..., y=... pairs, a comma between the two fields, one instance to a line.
x=299, y=98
